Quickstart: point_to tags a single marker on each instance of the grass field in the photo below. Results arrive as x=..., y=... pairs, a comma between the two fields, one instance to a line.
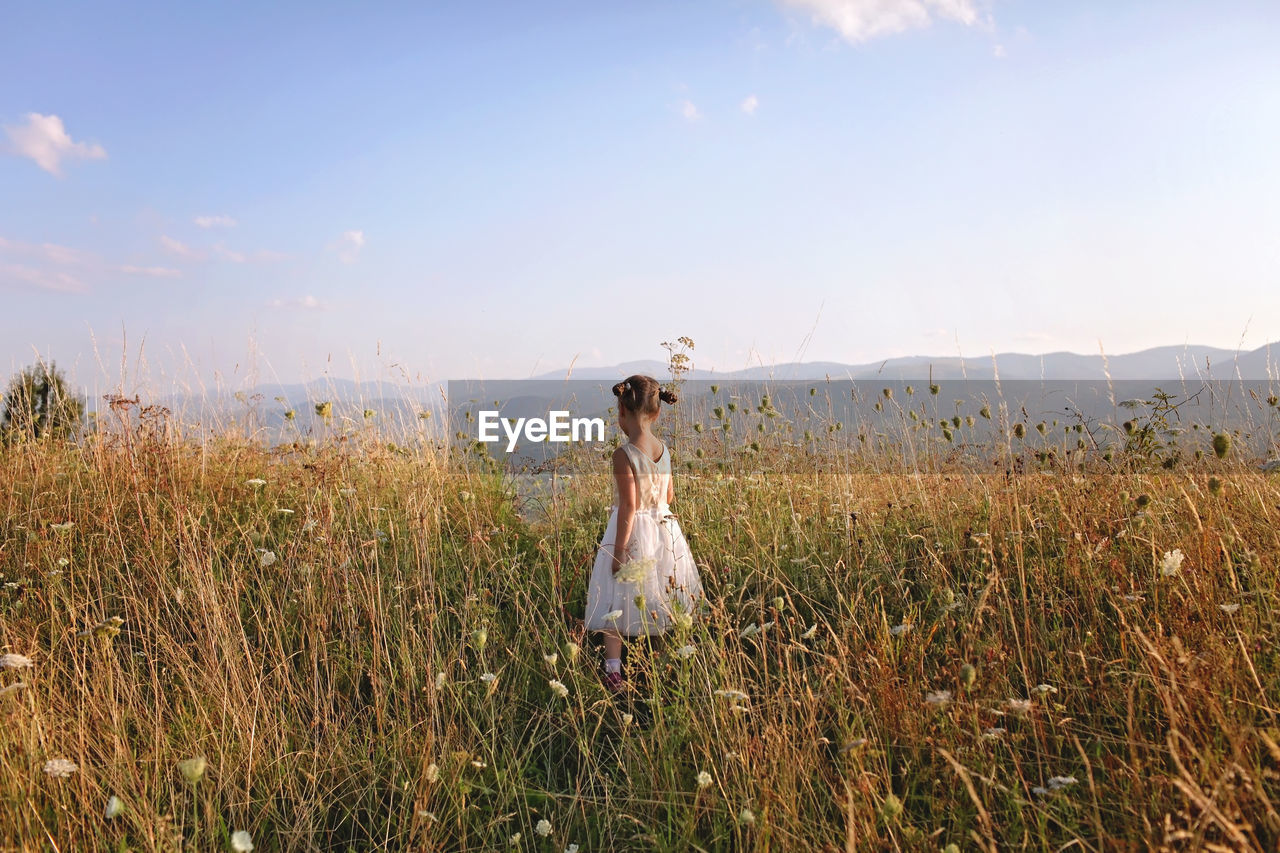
x=371, y=647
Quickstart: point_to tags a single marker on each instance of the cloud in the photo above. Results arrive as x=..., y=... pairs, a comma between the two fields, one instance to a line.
x=690, y=111
x=221, y=221
x=860, y=20
x=182, y=250
x=306, y=303
x=229, y=254
x=57, y=280
x=151, y=272
x=749, y=104
x=349, y=245
x=45, y=140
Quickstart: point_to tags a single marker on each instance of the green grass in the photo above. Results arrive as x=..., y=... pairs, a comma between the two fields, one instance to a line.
x=337, y=694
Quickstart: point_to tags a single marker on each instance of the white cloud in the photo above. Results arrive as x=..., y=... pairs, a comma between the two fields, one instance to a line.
x=749, y=104
x=689, y=110
x=59, y=280
x=349, y=245
x=221, y=221
x=230, y=254
x=998, y=51
x=180, y=249
x=46, y=141
x=308, y=303
x=860, y=20
x=151, y=272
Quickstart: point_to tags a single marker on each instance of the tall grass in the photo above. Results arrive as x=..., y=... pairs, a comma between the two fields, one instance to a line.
x=893, y=656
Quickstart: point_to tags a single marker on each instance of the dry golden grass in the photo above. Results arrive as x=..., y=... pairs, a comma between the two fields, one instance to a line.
x=336, y=690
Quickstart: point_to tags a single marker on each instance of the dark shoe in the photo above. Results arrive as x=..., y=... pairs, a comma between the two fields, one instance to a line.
x=613, y=682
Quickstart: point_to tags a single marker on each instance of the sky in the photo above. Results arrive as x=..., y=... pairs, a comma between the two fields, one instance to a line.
x=234, y=193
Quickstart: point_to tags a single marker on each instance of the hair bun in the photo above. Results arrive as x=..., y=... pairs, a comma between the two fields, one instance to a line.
x=668, y=397
x=619, y=388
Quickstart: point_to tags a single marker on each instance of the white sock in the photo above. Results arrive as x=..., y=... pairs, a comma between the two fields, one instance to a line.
x=613, y=665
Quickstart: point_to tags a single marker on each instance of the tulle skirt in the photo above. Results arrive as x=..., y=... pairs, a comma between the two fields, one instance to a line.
x=658, y=580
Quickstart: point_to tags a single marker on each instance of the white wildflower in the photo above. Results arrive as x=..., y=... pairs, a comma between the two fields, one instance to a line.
x=551, y=658
x=1171, y=564
x=488, y=678
x=1019, y=706
x=256, y=481
x=266, y=558
x=686, y=652
x=1044, y=689
x=732, y=695
x=14, y=661
x=241, y=842
x=60, y=768
x=899, y=630
x=441, y=678
x=704, y=779
x=346, y=492
x=938, y=697
x=192, y=769
x=809, y=635
x=993, y=733
x=515, y=839
x=114, y=808
x=64, y=527
x=627, y=719
x=613, y=616
x=1229, y=608
x=1057, y=783
x=433, y=772
x=478, y=764
x=746, y=817
x=558, y=688
x=571, y=651
x=543, y=828
x=1040, y=792
x=635, y=571
x=1134, y=598
x=750, y=630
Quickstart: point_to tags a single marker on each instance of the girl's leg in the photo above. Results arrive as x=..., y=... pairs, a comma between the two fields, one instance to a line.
x=612, y=650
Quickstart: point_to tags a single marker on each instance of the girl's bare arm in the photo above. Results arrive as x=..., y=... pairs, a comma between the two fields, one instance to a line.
x=627, y=502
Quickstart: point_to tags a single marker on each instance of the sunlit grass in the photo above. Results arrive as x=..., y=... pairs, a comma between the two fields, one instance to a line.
x=350, y=645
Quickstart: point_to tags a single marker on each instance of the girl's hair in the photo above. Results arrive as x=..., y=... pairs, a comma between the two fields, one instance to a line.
x=641, y=394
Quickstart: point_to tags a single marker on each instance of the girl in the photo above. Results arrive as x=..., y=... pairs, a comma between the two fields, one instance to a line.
x=644, y=573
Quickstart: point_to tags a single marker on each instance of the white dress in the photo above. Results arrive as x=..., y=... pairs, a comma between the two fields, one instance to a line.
x=658, y=564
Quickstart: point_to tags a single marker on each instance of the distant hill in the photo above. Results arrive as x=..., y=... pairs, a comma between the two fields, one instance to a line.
x=1159, y=363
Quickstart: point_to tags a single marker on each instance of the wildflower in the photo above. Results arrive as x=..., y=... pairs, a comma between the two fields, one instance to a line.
x=853, y=744
x=968, y=675
x=478, y=764
x=466, y=496
x=13, y=661
x=704, y=779
x=488, y=678
x=241, y=842
x=639, y=601
x=429, y=817
x=478, y=638
x=64, y=527
x=114, y=808
x=1172, y=562
x=686, y=652
x=441, y=678
x=515, y=840
x=613, y=616
x=1229, y=608
x=60, y=768
x=347, y=492
x=809, y=635
x=192, y=769
x=993, y=733
x=891, y=808
x=627, y=719
x=938, y=697
x=543, y=828
x=572, y=848
x=1133, y=598
x=1057, y=783
x=433, y=772
x=683, y=620
x=635, y=571
x=266, y=558
x=256, y=481
x=1019, y=706
x=747, y=817
x=749, y=631
x=780, y=604
x=899, y=630
x=108, y=628
x=1221, y=445
x=558, y=688
x=732, y=695
x=284, y=510
x=571, y=651
x=551, y=658
x=1044, y=689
